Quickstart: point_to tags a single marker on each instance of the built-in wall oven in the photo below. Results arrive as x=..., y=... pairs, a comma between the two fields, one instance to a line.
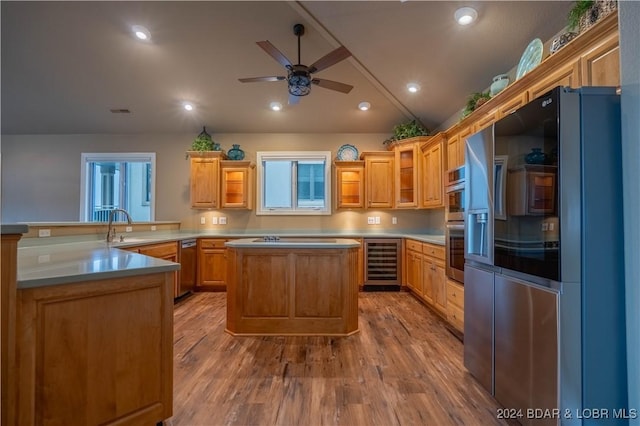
x=454, y=227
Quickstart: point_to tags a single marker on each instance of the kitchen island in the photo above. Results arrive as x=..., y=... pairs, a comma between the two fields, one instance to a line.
x=292, y=286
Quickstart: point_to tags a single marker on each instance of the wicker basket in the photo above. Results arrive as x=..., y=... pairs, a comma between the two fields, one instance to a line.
x=599, y=10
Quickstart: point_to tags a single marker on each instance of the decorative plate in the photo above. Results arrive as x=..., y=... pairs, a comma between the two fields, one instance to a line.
x=347, y=153
x=530, y=59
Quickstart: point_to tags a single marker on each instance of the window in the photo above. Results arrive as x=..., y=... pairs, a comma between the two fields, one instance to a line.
x=117, y=181
x=294, y=183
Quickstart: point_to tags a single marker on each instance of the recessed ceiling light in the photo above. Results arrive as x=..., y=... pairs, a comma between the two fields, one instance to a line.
x=275, y=106
x=141, y=32
x=465, y=15
x=364, y=106
x=413, y=87
x=188, y=106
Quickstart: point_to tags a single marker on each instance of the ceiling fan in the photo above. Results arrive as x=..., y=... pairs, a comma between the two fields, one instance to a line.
x=299, y=77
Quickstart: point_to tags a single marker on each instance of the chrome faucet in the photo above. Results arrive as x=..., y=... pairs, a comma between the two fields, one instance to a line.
x=111, y=232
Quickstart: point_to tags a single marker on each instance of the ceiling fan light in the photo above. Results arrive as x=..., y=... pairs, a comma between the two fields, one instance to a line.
x=187, y=106
x=465, y=15
x=141, y=32
x=364, y=106
x=275, y=106
x=413, y=87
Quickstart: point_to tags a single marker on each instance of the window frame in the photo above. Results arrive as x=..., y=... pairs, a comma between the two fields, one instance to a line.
x=294, y=210
x=119, y=157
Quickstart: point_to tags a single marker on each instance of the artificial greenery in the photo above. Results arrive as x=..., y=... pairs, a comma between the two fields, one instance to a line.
x=407, y=130
x=475, y=100
x=579, y=9
x=204, y=142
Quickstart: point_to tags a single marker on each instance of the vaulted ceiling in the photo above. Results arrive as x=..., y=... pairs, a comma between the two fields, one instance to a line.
x=65, y=65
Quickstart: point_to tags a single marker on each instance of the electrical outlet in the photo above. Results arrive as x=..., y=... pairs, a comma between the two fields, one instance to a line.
x=377, y=220
x=44, y=232
x=394, y=220
x=128, y=229
x=222, y=220
x=203, y=220
x=371, y=220
x=214, y=220
x=153, y=227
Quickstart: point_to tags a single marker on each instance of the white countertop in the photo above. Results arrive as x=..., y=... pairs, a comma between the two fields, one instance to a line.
x=61, y=260
x=294, y=242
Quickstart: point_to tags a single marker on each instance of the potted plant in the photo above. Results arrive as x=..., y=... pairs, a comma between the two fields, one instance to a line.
x=203, y=142
x=585, y=13
x=407, y=130
x=475, y=101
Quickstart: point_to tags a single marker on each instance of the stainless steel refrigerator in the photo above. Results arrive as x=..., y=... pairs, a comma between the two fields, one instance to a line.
x=544, y=273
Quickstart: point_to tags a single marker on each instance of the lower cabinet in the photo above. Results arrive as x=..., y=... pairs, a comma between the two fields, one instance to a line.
x=212, y=264
x=167, y=251
x=425, y=275
x=455, y=305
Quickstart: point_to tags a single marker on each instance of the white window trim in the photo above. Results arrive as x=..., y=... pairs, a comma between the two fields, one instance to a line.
x=295, y=156
x=86, y=157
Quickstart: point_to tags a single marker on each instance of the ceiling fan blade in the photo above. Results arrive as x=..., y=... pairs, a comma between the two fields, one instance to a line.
x=333, y=85
x=274, y=53
x=329, y=59
x=293, y=99
x=254, y=79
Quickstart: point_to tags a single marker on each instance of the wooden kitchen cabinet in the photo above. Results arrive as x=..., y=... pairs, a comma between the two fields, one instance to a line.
x=432, y=172
x=349, y=184
x=407, y=171
x=167, y=251
x=212, y=264
x=456, y=146
x=413, y=259
x=567, y=75
x=204, y=179
x=236, y=184
x=433, y=277
x=455, y=305
x=600, y=66
x=379, y=175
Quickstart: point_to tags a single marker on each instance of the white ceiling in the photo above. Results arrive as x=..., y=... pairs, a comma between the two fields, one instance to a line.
x=66, y=64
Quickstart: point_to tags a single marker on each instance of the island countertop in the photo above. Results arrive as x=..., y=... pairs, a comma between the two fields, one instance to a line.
x=293, y=242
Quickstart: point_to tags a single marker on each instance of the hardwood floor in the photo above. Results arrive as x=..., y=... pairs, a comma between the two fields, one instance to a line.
x=403, y=368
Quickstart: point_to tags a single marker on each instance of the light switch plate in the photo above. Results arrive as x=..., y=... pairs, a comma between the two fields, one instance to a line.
x=128, y=229
x=214, y=220
x=377, y=220
x=153, y=227
x=222, y=220
x=371, y=220
x=44, y=232
x=203, y=220
x=394, y=220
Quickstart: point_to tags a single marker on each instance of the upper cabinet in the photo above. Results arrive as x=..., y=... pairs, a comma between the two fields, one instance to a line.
x=433, y=171
x=236, y=184
x=349, y=184
x=379, y=178
x=600, y=66
x=219, y=183
x=407, y=171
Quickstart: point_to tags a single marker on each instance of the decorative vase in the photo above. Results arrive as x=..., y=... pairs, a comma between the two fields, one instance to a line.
x=560, y=41
x=499, y=83
x=536, y=156
x=235, y=153
x=599, y=10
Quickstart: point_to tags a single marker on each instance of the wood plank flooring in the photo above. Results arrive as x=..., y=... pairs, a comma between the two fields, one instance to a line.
x=403, y=368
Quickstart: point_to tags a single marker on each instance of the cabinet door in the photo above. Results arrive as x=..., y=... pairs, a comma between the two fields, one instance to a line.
x=414, y=271
x=204, y=182
x=453, y=150
x=406, y=159
x=380, y=182
x=439, y=283
x=212, y=265
x=350, y=186
x=236, y=187
x=165, y=251
x=512, y=104
x=601, y=66
x=432, y=171
x=427, y=280
x=568, y=75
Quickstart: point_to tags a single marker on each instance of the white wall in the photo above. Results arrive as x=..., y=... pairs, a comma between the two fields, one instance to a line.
x=629, y=16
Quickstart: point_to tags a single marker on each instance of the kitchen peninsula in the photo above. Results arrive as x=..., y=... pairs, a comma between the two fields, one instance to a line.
x=292, y=286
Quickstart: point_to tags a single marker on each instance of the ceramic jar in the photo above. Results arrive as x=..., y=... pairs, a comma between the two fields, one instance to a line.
x=559, y=42
x=235, y=153
x=499, y=83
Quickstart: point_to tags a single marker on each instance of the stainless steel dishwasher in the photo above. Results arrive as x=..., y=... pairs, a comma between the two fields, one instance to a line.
x=383, y=265
x=188, y=264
